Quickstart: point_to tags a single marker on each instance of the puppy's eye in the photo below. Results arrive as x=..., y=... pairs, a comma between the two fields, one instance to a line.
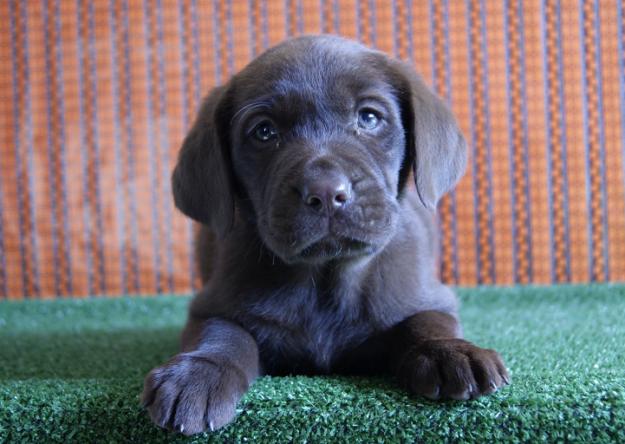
x=368, y=119
x=265, y=132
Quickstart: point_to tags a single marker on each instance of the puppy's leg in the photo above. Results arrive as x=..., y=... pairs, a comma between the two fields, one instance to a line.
x=199, y=388
x=431, y=360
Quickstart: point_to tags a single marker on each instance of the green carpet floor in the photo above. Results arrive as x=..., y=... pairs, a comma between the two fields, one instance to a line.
x=71, y=371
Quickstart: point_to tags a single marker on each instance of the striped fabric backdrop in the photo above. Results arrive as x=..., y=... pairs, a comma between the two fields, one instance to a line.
x=96, y=96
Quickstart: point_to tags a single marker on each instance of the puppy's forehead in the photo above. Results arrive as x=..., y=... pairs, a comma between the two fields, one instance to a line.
x=321, y=65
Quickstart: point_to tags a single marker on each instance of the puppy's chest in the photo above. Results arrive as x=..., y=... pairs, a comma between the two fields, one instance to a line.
x=306, y=334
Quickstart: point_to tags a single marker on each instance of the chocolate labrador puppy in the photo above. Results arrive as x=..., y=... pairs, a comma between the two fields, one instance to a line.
x=318, y=255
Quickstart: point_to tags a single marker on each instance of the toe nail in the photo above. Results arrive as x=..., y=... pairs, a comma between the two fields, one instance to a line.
x=472, y=389
x=462, y=396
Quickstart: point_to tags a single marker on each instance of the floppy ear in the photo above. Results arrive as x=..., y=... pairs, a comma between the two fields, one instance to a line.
x=436, y=146
x=201, y=181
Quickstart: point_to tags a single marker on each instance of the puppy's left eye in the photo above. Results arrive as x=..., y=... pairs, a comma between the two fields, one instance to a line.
x=368, y=119
x=265, y=132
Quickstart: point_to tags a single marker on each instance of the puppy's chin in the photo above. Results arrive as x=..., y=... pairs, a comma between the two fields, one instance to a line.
x=331, y=248
x=298, y=236
x=318, y=248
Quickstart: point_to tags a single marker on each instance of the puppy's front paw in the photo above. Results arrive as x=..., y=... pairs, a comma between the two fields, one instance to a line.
x=452, y=369
x=192, y=393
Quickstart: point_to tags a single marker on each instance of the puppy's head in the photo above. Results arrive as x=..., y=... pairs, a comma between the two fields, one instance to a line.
x=313, y=143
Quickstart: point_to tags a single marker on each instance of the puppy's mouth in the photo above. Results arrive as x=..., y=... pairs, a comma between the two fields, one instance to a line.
x=332, y=247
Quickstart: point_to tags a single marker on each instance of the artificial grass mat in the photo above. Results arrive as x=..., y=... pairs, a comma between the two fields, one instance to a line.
x=72, y=370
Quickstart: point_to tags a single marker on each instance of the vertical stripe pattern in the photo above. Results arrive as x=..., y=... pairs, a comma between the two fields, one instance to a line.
x=558, y=209
x=56, y=148
x=595, y=140
x=481, y=142
x=96, y=98
x=23, y=148
x=517, y=103
x=88, y=108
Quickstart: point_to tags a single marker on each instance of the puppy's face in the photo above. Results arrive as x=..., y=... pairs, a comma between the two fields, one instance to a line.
x=317, y=146
x=313, y=142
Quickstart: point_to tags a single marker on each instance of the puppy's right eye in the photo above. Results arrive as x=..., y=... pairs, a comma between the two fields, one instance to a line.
x=368, y=119
x=265, y=132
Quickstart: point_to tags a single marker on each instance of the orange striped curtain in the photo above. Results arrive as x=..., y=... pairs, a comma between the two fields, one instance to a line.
x=95, y=97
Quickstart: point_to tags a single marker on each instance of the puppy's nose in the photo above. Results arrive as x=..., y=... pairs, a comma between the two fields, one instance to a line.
x=327, y=194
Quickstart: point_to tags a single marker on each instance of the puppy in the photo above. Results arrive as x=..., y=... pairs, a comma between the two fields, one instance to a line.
x=318, y=255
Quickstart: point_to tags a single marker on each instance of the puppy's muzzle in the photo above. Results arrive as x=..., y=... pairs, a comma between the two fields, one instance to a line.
x=322, y=213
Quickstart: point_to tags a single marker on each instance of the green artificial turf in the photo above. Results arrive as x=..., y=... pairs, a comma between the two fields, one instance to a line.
x=72, y=370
